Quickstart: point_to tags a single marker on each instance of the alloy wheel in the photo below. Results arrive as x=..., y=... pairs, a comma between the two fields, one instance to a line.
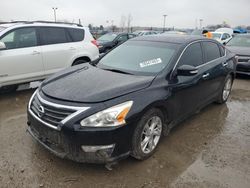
x=151, y=134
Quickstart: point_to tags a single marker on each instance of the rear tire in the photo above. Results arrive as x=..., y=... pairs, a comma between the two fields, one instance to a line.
x=226, y=90
x=8, y=89
x=147, y=134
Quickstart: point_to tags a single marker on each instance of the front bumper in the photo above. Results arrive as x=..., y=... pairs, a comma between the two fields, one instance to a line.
x=86, y=145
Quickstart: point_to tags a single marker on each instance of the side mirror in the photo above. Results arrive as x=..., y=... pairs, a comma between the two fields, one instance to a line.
x=187, y=70
x=2, y=46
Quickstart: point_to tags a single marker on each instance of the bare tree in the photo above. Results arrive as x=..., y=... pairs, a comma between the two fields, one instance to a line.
x=129, y=20
x=123, y=22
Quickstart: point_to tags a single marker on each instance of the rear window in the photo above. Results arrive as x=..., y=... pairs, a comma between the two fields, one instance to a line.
x=211, y=50
x=139, y=57
x=53, y=35
x=76, y=34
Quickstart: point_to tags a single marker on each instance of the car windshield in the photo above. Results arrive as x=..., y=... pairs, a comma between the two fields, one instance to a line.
x=139, y=57
x=108, y=37
x=243, y=41
x=216, y=35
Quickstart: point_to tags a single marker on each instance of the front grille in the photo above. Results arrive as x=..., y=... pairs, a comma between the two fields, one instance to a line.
x=49, y=113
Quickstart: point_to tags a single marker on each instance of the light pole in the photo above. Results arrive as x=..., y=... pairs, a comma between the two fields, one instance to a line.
x=201, y=20
x=164, y=21
x=54, y=9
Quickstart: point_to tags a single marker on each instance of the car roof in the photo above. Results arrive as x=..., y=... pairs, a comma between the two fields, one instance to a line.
x=179, y=39
x=28, y=24
x=219, y=32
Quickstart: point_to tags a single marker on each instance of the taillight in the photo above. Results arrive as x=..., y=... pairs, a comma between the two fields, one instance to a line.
x=94, y=42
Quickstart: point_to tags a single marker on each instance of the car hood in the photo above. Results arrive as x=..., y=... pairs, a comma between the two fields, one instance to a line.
x=244, y=51
x=89, y=84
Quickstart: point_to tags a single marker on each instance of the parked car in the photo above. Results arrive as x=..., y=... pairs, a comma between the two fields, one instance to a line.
x=143, y=33
x=32, y=51
x=240, y=45
x=110, y=40
x=123, y=103
x=174, y=32
x=221, y=37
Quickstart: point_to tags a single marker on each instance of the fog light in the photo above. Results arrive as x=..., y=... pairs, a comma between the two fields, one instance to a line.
x=97, y=148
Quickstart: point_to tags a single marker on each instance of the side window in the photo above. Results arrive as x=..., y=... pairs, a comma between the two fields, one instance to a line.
x=211, y=50
x=192, y=55
x=123, y=38
x=224, y=36
x=53, y=35
x=76, y=34
x=228, y=36
x=20, y=38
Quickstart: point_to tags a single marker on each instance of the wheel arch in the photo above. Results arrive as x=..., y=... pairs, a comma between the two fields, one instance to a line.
x=81, y=58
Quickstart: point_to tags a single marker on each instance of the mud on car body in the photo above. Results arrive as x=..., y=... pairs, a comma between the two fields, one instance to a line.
x=124, y=102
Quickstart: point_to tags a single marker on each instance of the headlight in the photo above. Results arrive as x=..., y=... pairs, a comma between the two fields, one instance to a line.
x=100, y=46
x=110, y=117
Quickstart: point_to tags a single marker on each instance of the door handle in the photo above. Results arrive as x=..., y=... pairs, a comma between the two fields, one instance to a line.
x=72, y=48
x=225, y=64
x=35, y=53
x=205, y=75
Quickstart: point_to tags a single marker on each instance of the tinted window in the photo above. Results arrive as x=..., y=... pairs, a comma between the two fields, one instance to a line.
x=211, y=50
x=192, y=55
x=76, y=34
x=139, y=57
x=20, y=38
x=107, y=37
x=53, y=35
x=123, y=38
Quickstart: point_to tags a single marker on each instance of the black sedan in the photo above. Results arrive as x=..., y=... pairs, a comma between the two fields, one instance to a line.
x=240, y=45
x=123, y=103
x=110, y=40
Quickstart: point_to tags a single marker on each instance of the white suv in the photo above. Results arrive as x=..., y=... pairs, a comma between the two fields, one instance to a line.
x=32, y=51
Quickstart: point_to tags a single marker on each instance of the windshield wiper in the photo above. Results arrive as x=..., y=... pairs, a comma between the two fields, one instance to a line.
x=119, y=71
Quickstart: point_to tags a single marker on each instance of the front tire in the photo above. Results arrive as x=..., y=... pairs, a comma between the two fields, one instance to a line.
x=147, y=134
x=226, y=90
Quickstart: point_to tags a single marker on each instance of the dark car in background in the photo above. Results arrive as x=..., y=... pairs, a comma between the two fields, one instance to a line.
x=240, y=45
x=110, y=40
x=123, y=103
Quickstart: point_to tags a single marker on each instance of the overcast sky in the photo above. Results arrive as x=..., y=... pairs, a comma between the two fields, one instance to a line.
x=181, y=13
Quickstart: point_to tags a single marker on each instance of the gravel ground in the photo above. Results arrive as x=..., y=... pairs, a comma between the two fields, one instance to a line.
x=210, y=149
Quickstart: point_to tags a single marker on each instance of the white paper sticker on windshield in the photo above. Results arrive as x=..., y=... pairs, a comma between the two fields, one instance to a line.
x=150, y=62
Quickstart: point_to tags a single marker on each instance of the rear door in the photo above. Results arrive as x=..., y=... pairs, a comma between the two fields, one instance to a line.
x=57, y=48
x=21, y=61
x=213, y=71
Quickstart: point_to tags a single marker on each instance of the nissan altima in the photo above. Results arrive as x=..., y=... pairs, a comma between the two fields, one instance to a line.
x=124, y=102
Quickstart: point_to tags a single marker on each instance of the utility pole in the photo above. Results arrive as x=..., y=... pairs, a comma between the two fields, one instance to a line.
x=54, y=9
x=201, y=20
x=164, y=22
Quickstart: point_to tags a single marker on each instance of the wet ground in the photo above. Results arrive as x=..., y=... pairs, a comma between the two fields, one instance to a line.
x=211, y=149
